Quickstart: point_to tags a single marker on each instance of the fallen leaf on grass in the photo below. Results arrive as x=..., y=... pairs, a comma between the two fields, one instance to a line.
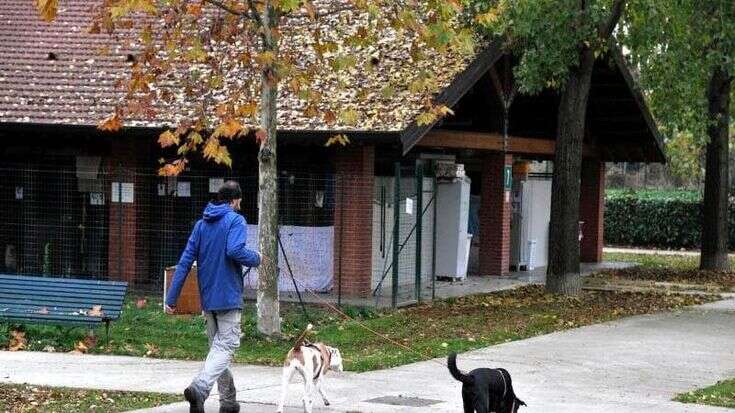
x=151, y=349
x=80, y=348
x=90, y=341
x=141, y=303
x=17, y=341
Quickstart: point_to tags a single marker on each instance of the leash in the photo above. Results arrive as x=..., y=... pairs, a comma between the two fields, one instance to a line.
x=362, y=325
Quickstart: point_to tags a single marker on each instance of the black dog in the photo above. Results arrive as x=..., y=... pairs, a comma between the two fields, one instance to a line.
x=486, y=390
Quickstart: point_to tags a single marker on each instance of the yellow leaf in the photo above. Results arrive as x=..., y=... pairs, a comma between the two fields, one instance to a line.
x=311, y=111
x=443, y=110
x=47, y=9
x=341, y=139
x=167, y=139
x=111, y=124
x=80, y=347
x=210, y=148
x=195, y=138
x=17, y=340
x=349, y=116
x=228, y=129
x=266, y=58
x=248, y=109
x=425, y=118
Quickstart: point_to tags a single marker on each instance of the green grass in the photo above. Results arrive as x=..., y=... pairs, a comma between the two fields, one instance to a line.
x=670, y=269
x=677, y=262
x=25, y=398
x=433, y=330
x=721, y=394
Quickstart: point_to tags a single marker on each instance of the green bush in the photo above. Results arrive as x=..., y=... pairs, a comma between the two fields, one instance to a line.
x=667, y=219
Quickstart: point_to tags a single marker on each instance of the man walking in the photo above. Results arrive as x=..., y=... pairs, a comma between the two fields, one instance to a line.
x=217, y=243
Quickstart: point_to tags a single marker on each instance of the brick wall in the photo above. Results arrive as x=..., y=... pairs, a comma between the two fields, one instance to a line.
x=591, y=210
x=355, y=170
x=494, y=217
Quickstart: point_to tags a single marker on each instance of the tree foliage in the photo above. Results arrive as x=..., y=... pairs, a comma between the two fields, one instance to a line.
x=547, y=35
x=675, y=44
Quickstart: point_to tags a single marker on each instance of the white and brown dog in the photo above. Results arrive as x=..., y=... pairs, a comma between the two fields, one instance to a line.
x=312, y=361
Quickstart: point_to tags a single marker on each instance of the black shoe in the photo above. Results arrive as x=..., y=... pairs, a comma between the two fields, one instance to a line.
x=230, y=409
x=196, y=403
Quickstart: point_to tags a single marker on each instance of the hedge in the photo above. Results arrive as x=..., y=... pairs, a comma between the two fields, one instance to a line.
x=662, y=219
x=652, y=220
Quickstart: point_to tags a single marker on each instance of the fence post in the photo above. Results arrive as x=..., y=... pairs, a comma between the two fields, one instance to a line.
x=340, y=188
x=396, y=232
x=433, y=235
x=119, y=222
x=419, y=223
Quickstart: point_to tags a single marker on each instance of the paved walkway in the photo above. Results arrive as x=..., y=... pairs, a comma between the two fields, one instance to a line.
x=631, y=365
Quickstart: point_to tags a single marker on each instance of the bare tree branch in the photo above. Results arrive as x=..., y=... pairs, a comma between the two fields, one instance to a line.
x=254, y=13
x=224, y=7
x=605, y=30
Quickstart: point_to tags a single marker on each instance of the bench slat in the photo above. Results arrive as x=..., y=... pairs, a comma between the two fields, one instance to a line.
x=60, y=280
x=44, y=284
x=38, y=292
x=8, y=308
x=62, y=299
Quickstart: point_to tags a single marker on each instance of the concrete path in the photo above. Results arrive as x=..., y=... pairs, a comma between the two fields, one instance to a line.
x=631, y=365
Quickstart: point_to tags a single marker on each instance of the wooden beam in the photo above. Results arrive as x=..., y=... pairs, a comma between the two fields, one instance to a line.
x=494, y=142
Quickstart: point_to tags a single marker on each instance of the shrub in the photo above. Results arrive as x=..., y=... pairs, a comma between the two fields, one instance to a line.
x=668, y=219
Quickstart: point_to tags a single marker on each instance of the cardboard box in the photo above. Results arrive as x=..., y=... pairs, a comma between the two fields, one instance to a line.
x=189, y=300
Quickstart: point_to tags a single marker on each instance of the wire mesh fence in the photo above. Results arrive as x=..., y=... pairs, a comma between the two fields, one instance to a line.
x=337, y=232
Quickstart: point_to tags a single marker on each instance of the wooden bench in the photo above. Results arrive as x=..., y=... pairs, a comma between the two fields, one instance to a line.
x=60, y=301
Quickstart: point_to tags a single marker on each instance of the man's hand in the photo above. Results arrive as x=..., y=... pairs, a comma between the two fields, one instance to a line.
x=170, y=310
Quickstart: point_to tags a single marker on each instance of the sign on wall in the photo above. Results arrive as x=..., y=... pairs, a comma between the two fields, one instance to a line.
x=508, y=177
x=215, y=184
x=126, y=190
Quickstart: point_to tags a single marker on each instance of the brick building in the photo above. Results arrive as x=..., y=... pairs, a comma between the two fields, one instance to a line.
x=54, y=89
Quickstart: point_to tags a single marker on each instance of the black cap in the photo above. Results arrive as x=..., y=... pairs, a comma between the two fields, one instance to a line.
x=229, y=191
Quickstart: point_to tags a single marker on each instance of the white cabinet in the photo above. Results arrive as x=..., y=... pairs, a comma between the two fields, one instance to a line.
x=452, y=239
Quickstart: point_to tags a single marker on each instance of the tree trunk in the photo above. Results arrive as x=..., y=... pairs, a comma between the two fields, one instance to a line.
x=715, y=228
x=269, y=322
x=563, y=269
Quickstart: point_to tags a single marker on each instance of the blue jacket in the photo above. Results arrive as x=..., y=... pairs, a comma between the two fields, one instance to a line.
x=217, y=243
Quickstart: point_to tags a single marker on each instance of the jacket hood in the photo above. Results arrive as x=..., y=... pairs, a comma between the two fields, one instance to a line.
x=213, y=212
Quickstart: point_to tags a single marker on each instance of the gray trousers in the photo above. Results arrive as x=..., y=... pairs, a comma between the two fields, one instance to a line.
x=223, y=331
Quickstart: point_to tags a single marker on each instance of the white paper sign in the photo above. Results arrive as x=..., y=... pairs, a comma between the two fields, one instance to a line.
x=161, y=189
x=183, y=189
x=96, y=198
x=127, y=190
x=18, y=192
x=319, y=201
x=409, y=206
x=215, y=184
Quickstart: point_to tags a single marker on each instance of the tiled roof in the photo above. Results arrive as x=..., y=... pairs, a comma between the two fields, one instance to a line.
x=54, y=73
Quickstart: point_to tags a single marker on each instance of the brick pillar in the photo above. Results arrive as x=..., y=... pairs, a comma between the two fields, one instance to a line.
x=494, y=216
x=123, y=226
x=353, y=217
x=591, y=209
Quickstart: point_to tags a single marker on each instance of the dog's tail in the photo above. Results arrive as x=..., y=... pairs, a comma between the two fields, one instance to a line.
x=458, y=375
x=300, y=341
